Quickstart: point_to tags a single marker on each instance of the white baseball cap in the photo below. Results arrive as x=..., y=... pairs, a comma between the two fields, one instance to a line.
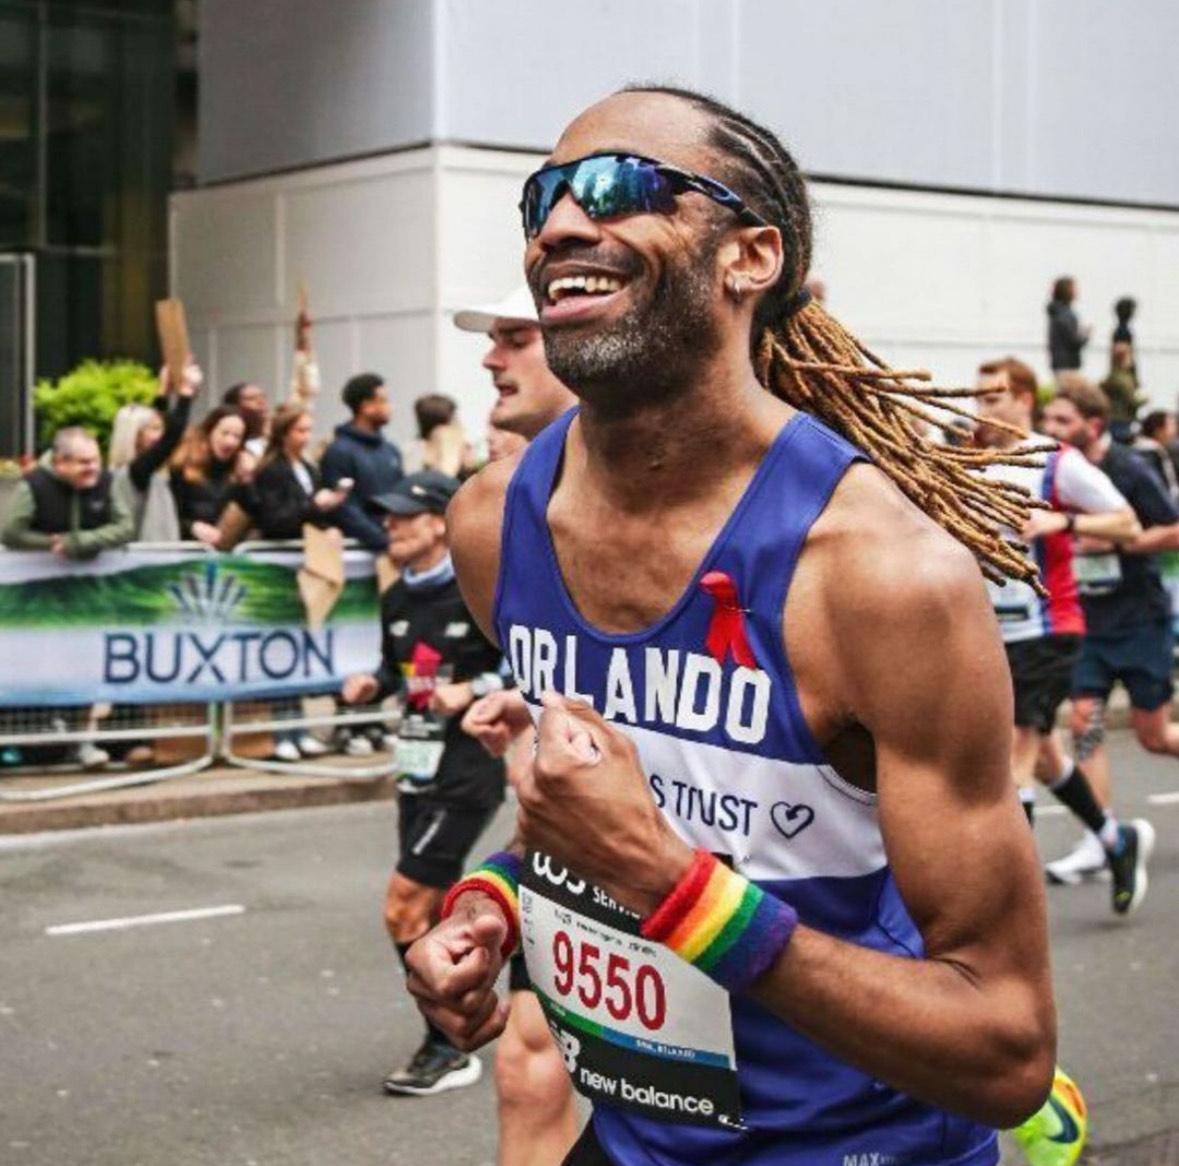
x=481, y=318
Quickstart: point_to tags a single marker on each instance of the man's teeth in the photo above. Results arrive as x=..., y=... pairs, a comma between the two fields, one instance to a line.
x=591, y=284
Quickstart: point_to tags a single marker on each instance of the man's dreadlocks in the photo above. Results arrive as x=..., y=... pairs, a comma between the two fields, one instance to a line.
x=808, y=358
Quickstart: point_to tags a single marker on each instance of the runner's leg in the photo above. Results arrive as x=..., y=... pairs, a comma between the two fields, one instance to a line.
x=436, y=837
x=537, y=1112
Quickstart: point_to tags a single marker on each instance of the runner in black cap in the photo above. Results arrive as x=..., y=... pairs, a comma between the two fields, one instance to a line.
x=435, y=657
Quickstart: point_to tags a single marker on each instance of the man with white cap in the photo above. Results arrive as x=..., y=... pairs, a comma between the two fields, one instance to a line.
x=529, y=397
x=537, y=1114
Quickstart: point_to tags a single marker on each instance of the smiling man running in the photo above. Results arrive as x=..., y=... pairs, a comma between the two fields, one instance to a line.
x=779, y=903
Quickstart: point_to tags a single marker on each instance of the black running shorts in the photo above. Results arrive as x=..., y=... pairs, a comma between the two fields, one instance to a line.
x=1042, y=674
x=588, y=1150
x=518, y=978
x=1142, y=658
x=436, y=839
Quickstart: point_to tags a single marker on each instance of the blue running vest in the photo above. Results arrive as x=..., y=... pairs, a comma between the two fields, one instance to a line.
x=734, y=768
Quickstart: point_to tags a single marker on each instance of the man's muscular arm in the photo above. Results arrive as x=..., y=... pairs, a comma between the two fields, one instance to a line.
x=913, y=655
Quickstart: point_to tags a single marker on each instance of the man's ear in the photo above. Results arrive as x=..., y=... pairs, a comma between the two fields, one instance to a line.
x=751, y=261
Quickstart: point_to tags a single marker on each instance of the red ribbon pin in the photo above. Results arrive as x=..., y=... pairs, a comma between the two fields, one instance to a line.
x=726, y=631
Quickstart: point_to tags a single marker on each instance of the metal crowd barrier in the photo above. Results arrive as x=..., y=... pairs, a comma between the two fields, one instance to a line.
x=184, y=737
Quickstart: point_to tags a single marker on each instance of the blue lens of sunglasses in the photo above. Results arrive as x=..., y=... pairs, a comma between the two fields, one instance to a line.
x=608, y=185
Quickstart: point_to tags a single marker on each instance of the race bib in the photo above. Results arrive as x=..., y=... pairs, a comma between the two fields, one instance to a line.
x=637, y=1026
x=420, y=745
x=1097, y=574
x=1013, y=601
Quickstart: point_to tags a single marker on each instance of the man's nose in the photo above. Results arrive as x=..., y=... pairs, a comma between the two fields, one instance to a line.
x=566, y=222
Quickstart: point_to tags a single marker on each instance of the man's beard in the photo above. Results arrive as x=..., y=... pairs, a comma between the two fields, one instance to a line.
x=651, y=352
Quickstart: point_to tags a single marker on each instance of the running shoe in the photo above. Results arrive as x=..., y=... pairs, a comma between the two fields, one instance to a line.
x=358, y=746
x=1055, y=1134
x=1085, y=860
x=310, y=746
x=435, y=1068
x=286, y=750
x=90, y=756
x=1128, y=866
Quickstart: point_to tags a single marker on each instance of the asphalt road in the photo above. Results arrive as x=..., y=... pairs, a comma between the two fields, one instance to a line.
x=258, y=1036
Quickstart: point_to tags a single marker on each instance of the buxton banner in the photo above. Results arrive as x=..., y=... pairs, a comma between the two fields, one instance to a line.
x=139, y=626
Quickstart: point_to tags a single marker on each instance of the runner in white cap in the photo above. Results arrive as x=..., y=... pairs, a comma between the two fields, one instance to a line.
x=528, y=396
x=537, y=1114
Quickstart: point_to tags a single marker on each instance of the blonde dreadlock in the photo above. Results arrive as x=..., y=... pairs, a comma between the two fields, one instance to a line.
x=810, y=360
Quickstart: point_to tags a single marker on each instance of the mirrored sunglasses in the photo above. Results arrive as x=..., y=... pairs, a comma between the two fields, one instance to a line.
x=606, y=186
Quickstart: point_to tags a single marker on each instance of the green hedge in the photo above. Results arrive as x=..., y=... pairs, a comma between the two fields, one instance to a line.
x=90, y=396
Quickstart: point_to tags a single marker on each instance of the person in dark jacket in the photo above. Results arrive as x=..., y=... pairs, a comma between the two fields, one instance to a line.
x=286, y=492
x=205, y=470
x=68, y=505
x=433, y=653
x=1154, y=445
x=361, y=455
x=1066, y=336
x=1124, y=310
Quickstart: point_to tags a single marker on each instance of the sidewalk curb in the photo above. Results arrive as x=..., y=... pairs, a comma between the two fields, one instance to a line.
x=222, y=791
x=220, y=795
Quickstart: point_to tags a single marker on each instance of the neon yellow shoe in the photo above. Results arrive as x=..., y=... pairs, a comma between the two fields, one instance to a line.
x=1055, y=1134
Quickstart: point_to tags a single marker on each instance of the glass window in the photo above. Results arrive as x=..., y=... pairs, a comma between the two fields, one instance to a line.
x=18, y=128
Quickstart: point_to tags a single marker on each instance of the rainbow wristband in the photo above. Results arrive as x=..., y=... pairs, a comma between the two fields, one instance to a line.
x=498, y=877
x=722, y=924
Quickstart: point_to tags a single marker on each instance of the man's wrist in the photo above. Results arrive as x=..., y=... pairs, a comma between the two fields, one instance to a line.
x=651, y=887
x=725, y=926
x=498, y=880
x=484, y=683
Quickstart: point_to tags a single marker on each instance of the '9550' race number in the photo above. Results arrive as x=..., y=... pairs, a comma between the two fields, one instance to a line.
x=582, y=970
x=637, y=1026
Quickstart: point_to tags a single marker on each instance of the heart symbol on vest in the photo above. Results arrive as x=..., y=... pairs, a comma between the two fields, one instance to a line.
x=791, y=820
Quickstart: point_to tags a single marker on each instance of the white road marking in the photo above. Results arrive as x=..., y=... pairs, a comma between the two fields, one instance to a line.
x=1050, y=811
x=145, y=920
x=1169, y=799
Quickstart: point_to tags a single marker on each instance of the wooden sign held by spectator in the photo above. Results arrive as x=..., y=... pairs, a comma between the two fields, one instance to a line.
x=305, y=381
x=321, y=579
x=173, y=332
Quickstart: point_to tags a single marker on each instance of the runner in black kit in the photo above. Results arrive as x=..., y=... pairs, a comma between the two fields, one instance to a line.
x=432, y=652
x=1127, y=615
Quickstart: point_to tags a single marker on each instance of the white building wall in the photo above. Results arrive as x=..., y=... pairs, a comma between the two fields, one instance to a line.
x=363, y=237
x=1067, y=98
x=391, y=246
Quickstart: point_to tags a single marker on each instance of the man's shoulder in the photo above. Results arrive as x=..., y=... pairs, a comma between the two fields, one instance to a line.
x=339, y=445
x=393, y=598
x=879, y=555
x=1125, y=467
x=483, y=494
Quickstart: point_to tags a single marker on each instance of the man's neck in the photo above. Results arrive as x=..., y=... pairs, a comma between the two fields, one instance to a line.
x=365, y=425
x=426, y=561
x=678, y=448
x=1098, y=448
